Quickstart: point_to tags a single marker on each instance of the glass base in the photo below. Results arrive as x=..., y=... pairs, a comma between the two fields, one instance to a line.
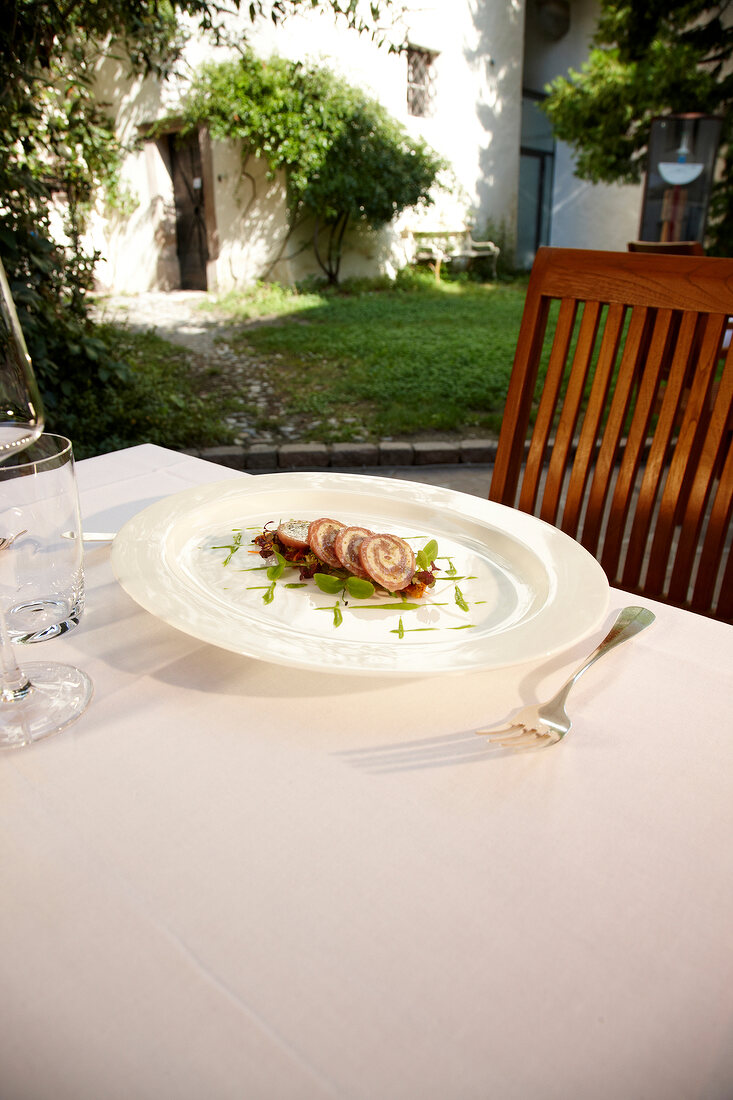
x=39, y=620
x=58, y=694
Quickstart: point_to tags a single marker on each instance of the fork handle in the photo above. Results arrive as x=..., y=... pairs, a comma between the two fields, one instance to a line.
x=629, y=622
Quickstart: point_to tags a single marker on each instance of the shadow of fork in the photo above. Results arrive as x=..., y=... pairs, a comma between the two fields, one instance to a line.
x=443, y=751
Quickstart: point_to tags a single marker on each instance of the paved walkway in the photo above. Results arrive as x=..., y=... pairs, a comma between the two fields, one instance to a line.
x=471, y=479
x=215, y=350
x=175, y=315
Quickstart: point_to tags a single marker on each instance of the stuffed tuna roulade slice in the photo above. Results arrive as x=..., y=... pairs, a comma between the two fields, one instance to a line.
x=346, y=548
x=388, y=561
x=321, y=536
x=294, y=533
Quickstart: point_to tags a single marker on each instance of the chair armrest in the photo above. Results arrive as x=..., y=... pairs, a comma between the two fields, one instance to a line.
x=488, y=245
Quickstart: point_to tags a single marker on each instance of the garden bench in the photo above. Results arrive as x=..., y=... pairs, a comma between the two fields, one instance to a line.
x=445, y=246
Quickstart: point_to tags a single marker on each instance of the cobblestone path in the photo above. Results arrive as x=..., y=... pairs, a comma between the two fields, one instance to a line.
x=217, y=361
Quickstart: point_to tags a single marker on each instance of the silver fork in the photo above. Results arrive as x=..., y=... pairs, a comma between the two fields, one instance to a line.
x=547, y=723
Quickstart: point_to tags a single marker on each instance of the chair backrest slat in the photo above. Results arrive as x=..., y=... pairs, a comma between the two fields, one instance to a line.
x=613, y=430
x=548, y=403
x=638, y=434
x=509, y=461
x=659, y=449
x=713, y=546
x=630, y=449
x=597, y=399
x=565, y=430
x=724, y=605
x=711, y=483
x=696, y=414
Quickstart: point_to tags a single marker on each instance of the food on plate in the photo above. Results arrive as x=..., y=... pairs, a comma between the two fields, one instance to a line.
x=321, y=537
x=294, y=534
x=387, y=560
x=346, y=547
x=327, y=548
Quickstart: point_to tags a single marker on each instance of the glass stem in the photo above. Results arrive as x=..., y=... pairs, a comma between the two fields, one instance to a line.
x=15, y=686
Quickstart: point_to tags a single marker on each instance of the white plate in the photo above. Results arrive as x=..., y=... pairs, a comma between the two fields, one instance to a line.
x=531, y=591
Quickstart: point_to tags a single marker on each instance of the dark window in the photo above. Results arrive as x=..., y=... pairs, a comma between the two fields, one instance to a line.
x=420, y=77
x=536, y=169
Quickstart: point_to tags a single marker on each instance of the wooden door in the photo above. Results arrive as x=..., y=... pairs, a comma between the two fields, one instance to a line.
x=188, y=193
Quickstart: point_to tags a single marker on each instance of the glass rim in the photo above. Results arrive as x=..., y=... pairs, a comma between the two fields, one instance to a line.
x=22, y=463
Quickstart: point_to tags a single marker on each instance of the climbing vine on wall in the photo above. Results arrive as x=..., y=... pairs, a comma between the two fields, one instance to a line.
x=346, y=160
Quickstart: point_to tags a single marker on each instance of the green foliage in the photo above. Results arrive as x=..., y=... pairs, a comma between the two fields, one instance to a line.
x=649, y=59
x=155, y=402
x=418, y=357
x=58, y=145
x=57, y=141
x=346, y=160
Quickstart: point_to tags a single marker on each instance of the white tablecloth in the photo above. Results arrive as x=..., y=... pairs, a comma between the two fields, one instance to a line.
x=232, y=879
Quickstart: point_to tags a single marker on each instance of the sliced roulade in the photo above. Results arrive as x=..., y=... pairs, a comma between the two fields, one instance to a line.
x=387, y=560
x=294, y=533
x=346, y=548
x=321, y=536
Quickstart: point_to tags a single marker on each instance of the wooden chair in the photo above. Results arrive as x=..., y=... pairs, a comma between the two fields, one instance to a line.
x=678, y=248
x=625, y=443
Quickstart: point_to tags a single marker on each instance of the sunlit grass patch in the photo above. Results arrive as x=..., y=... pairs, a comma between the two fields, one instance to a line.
x=415, y=357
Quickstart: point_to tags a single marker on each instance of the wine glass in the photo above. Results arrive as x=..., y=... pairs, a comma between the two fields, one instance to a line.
x=44, y=697
x=21, y=409
x=42, y=581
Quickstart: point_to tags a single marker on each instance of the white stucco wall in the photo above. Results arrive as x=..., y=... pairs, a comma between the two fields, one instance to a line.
x=137, y=242
x=584, y=215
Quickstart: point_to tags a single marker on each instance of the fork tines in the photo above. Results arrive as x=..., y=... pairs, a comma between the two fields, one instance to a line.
x=518, y=736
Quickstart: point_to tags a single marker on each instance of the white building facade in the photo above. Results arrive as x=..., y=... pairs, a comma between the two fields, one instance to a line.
x=468, y=85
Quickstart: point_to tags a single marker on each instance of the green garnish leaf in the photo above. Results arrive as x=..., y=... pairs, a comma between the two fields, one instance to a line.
x=427, y=555
x=269, y=595
x=276, y=571
x=400, y=629
x=235, y=545
x=460, y=600
x=328, y=584
x=359, y=588
x=403, y=605
x=337, y=616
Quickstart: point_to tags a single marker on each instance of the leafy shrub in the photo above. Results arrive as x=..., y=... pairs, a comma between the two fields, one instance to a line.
x=346, y=160
x=154, y=402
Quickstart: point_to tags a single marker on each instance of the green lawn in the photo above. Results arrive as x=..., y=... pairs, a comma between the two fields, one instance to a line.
x=365, y=361
x=406, y=358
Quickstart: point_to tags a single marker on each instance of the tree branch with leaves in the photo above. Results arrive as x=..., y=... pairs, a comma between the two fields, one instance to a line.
x=656, y=58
